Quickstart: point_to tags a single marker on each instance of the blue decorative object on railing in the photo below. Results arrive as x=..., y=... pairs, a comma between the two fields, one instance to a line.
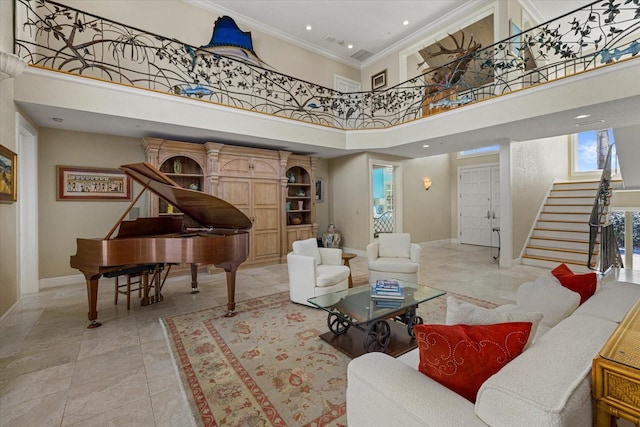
x=57, y=37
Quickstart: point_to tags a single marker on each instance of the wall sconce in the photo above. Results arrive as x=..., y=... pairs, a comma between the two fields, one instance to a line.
x=426, y=182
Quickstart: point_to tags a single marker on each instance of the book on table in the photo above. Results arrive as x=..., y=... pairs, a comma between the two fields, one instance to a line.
x=387, y=291
x=388, y=303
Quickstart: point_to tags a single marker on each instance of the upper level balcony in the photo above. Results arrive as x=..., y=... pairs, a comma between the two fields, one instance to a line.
x=509, y=90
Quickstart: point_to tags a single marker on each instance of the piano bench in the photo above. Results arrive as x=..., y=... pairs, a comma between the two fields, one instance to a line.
x=138, y=275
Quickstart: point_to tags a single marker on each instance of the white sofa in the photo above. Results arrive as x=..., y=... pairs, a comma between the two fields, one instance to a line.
x=549, y=384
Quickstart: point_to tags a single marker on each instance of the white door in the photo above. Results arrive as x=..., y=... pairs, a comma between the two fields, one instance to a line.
x=479, y=195
x=351, y=113
x=495, y=205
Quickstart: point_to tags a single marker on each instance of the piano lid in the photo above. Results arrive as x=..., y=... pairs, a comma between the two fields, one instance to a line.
x=207, y=210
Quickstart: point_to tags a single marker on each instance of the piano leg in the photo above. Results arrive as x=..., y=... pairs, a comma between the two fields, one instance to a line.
x=230, y=269
x=194, y=279
x=92, y=294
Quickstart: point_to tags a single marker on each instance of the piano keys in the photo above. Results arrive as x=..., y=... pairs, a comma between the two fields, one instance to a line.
x=222, y=241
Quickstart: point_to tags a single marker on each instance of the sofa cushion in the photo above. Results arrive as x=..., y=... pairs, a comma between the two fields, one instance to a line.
x=462, y=357
x=583, y=284
x=394, y=245
x=550, y=383
x=308, y=247
x=547, y=296
x=398, y=265
x=462, y=312
x=329, y=275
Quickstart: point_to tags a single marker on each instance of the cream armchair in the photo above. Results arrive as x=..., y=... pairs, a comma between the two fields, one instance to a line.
x=315, y=271
x=393, y=256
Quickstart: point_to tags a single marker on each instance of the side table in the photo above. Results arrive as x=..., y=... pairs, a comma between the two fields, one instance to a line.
x=616, y=374
x=346, y=256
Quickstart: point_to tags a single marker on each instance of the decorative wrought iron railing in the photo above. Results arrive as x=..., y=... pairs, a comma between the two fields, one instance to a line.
x=58, y=37
x=599, y=225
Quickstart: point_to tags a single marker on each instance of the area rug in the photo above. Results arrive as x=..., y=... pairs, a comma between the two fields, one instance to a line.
x=266, y=366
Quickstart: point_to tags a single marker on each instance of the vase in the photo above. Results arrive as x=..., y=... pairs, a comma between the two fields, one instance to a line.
x=300, y=205
x=292, y=178
x=177, y=166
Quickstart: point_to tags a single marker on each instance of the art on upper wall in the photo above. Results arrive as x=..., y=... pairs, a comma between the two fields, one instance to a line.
x=98, y=184
x=229, y=40
x=8, y=175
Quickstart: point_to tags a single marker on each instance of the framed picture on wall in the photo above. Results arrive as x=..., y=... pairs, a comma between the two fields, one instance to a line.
x=319, y=190
x=8, y=175
x=85, y=183
x=378, y=81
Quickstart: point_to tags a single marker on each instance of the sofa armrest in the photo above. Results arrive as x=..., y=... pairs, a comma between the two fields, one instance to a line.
x=416, y=251
x=383, y=391
x=302, y=276
x=372, y=251
x=331, y=256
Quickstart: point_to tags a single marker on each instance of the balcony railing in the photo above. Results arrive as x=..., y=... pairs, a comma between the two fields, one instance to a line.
x=57, y=37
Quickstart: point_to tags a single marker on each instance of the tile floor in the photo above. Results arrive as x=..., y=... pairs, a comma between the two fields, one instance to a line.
x=55, y=372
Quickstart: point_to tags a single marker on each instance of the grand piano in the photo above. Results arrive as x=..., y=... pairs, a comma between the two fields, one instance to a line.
x=222, y=239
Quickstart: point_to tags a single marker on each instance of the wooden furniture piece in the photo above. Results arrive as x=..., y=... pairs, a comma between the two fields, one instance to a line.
x=357, y=326
x=253, y=180
x=300, y=200
x=346, y=257
x=616, y=374
x=222, y=239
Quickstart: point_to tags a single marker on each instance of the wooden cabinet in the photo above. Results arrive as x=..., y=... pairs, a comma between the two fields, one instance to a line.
x=253, y=180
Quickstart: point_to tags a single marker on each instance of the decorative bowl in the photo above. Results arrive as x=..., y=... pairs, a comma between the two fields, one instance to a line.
x=296, y=220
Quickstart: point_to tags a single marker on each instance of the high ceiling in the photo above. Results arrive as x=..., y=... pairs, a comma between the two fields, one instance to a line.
x=371, y=27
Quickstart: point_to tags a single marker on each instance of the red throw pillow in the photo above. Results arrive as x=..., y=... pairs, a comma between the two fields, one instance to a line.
x=583, y=284
x=462, y=357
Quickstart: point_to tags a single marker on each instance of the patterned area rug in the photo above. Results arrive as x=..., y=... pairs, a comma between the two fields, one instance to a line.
x=266, y=366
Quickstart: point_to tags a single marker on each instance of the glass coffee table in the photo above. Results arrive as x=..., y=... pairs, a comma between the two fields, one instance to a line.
x=377, y=328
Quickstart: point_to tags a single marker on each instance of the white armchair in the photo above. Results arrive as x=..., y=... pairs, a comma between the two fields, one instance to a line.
x=393, y=256
x=315, y=271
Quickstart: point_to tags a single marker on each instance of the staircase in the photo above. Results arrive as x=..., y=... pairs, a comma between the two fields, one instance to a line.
x=561, y=233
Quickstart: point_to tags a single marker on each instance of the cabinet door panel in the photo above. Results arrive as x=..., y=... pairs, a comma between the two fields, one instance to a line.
x=236, y=192
x=234, y=166
x=266, y=244
x=265, y=168
x=265, y=193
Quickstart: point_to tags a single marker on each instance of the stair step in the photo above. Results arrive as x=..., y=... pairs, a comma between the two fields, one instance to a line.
x=560, y=234
x=567, y=200
x=563, y=225
x=565, y=216
x=553, y=242
x=576, y=185
x=559, y=253
x=574, y=193
x=550, y=262
x=569, y=208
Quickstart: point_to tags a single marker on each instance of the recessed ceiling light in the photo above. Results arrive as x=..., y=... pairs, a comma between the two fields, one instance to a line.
x=350, y=46
x=57, y=119
x=309, y=27
x=425, y=146
x=405, y=22
x=582, y=116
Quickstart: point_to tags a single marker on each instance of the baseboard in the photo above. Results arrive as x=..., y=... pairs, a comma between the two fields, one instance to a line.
x=6, y=314
x=54, y=282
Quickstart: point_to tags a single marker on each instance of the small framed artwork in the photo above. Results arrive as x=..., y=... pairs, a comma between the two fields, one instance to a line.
x=319, y=190
x=8, y=175
x=515, y=38
x=378, y=81
x=84, y=183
